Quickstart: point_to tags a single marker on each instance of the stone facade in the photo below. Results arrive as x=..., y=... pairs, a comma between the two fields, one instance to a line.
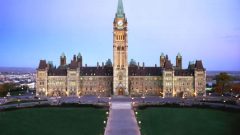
x=120, y=53
x=121, y=77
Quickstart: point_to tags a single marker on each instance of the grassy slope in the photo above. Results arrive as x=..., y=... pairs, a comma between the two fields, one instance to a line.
x=188, y=121
x=53, y=121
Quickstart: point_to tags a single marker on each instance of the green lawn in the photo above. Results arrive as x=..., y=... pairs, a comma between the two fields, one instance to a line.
x=53, y=121
x=188, y=121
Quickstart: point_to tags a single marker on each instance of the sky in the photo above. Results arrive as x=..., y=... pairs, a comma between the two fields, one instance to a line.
x=207, y=30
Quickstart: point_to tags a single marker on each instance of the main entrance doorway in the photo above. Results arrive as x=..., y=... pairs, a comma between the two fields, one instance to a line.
x=120, y=92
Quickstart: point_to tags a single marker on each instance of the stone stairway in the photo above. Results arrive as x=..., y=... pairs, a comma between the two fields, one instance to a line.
x=121, y=105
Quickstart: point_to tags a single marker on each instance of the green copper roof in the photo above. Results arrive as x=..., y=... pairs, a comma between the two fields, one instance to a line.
x=63, y=55
x=179, y=55
x=120, y=10
x=79, y=55
x=162, y=55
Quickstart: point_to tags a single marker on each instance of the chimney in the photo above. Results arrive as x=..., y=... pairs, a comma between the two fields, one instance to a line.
x=85, y=65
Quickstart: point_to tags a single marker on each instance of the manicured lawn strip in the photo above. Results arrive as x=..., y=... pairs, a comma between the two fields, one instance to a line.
x=188, y=121
x=53, y=121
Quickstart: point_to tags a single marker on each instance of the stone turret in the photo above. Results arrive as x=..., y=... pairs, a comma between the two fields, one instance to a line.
x=63, y=60
x=179, y=61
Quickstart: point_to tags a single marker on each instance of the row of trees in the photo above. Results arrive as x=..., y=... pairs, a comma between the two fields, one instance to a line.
x=224, y=83
x=10, y=87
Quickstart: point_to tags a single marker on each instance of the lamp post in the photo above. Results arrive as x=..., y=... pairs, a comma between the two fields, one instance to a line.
x=18, y=102
x=39, y=100
x=98, y=98
x=143, y=97
x=79, y=99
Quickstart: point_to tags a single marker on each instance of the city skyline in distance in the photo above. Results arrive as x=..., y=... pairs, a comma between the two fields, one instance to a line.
x=205, y=30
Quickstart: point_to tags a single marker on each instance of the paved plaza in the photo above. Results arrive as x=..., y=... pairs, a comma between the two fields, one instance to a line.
x=122, y=120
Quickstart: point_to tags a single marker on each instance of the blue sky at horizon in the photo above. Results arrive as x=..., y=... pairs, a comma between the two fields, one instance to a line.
x=209, y=30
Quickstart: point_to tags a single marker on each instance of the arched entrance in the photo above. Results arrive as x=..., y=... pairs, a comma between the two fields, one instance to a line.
x=120, y=92
x=180, y=94
x=56, y=93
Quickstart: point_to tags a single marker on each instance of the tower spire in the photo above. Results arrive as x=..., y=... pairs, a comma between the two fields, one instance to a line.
x=120, y=11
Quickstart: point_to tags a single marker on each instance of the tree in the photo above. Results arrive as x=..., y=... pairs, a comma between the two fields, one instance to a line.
x=4, y=88
x=223, y=82
x=235, y=88
x=7, y=87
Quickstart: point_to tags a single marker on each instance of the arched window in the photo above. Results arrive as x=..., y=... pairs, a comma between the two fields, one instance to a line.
x=120, y=77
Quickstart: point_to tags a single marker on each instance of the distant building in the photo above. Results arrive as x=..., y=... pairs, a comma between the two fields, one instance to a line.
x=121, y=77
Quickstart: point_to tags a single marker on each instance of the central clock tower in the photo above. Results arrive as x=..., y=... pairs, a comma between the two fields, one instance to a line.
x=120, y=52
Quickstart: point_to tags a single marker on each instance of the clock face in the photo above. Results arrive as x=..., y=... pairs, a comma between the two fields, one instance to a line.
x=120, y=23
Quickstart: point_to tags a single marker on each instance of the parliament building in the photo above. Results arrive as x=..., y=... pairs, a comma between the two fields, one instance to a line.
x=120, y=78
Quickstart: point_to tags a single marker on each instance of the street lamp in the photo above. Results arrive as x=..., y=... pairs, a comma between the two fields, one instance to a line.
x=98, y=98
x=195, y=93
x=18, y=102
x=143, y=97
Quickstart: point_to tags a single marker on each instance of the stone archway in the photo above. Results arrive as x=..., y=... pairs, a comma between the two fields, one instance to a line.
x=179, y=94
x=120, y=91
x=56, y=93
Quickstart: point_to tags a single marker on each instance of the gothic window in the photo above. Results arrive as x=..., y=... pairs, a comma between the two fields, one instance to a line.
x=118, y=48
x=123, y=48
x=120, y=77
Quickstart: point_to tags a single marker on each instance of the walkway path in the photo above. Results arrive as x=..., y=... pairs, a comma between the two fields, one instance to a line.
x=122, y=120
